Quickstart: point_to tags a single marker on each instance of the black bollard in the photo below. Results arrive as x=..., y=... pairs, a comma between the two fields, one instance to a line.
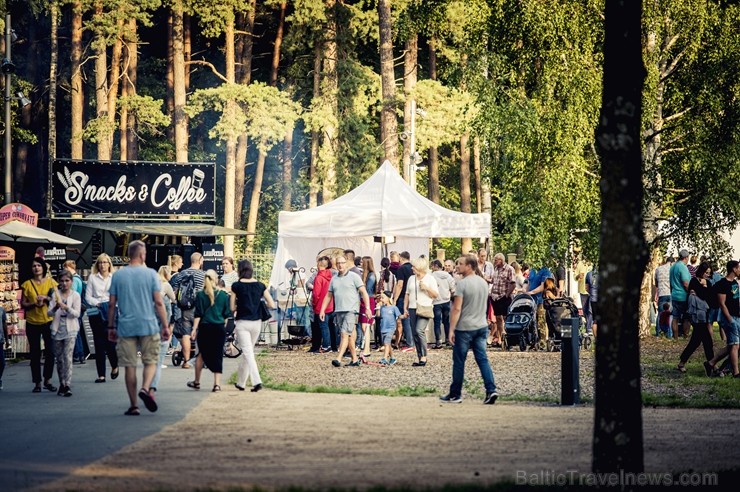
x=570, y=392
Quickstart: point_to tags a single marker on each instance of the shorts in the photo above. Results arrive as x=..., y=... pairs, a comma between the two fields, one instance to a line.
x=345, y=322
x=679, y=309
x=184, y=325
x=501, y=306
x=128, y=347
x=387, y=337
x=732, y=330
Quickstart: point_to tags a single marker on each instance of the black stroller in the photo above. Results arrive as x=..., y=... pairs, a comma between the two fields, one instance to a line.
x=557, y=309
x=520, y=325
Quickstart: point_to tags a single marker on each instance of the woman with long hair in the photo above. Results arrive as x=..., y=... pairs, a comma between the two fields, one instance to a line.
x=168, y=297
x=98, y=285
x=246, y=299
x=65, y=306
x=369, y=279
x=212, y=309
x=700, y=286
x=35, y=300
x=230, y=276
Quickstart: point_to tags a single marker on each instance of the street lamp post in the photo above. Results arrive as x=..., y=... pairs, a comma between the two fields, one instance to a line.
x=7, y=68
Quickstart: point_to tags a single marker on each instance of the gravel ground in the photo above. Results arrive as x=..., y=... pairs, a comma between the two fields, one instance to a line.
x=533, y=376
x=519, y=375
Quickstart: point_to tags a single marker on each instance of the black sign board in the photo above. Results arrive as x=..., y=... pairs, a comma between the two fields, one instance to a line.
x=153, y=189
x=213, y=254
x=55, y=256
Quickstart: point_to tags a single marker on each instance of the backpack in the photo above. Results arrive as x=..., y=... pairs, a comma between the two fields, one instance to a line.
x=186, y=292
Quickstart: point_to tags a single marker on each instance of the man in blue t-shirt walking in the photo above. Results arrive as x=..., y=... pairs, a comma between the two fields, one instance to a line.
x=680, y=278
x=142, y=323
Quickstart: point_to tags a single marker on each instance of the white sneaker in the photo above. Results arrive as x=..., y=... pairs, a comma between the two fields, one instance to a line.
x=164, y=366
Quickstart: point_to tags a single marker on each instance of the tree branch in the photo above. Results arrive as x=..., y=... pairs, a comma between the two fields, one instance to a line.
x=675, y=116
x=673, y=149
x=209, y=65
x=672, y=66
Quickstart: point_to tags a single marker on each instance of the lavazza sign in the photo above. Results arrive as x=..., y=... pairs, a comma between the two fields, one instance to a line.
x=153, y=189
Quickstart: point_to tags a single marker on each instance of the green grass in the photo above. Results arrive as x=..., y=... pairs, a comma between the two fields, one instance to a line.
x=343, y=390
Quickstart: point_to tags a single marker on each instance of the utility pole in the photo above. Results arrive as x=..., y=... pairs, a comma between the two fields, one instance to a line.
x=8, y=68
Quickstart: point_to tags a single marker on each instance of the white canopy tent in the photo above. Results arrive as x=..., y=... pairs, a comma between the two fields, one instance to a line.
x=383, y=206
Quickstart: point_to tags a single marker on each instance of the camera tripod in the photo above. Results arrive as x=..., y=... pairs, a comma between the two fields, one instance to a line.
x=298, y=313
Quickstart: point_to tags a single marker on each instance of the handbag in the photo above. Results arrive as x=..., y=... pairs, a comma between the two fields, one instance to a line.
x=421, y=310
x=264, y=312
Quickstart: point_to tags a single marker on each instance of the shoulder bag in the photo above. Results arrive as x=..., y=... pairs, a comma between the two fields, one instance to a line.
x=421, y=310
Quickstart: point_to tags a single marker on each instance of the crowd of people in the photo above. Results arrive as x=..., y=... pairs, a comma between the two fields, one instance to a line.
x=690, y=296
x=355, y=309
x=133, y=313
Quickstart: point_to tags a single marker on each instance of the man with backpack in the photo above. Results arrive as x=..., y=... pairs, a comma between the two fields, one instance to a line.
x=186, y=284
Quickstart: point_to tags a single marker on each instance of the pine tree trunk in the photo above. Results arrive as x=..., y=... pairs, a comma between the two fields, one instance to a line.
x=123, y=119
x=618, y=441
x=101, y=88
x=259, y=171
x=180, y=120
x=314, y=184
x=114, y=81
x=170, y=78
x=329, y=93
x=388, y=120
x=131, y=72
x=229, y=185
x=77, y=95
x=187, y=46
x=245, y=78
x=410, y=61
x=53, y=68
x=433, y=154
x=465, y=206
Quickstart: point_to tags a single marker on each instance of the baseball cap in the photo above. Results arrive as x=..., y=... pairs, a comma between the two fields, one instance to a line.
x=684, y=253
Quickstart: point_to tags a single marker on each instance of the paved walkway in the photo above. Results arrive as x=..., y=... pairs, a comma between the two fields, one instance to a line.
x=46, y=436
x=203, y=440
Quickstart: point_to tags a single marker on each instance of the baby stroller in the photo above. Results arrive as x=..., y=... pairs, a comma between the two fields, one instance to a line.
x=520, y=325
x=555, y=310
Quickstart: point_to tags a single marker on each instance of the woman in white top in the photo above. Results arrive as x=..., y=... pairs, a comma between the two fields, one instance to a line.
x=421, y=291
x=98, y=284
x=230, y=276
x=168, y=296
x=65, y=306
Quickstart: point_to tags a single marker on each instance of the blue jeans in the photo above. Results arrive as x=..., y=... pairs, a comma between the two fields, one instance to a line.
x=661, y=300
x=464, y=341
x=406, y=324
x=441, y=317
x=79, y=350
x=324, y=327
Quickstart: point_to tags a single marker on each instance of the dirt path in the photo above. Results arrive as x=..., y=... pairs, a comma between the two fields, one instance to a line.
x=277, y=439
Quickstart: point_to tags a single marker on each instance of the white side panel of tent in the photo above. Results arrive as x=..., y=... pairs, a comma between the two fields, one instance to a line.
x=304, y=251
